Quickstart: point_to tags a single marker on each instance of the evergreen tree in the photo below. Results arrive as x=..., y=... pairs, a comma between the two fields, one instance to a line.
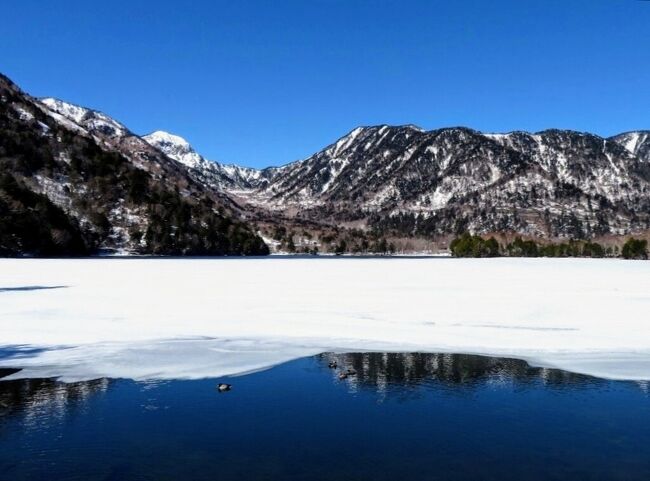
x=635, y=249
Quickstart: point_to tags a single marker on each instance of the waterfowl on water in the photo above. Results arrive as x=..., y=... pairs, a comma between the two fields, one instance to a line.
x=332, y=365
x=351, y=372
x=343, y=375
x=222, y=387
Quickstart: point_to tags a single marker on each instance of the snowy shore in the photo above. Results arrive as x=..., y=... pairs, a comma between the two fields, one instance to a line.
x=190, y=318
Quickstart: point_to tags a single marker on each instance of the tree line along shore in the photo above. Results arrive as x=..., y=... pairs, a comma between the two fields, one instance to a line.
x=468, y=245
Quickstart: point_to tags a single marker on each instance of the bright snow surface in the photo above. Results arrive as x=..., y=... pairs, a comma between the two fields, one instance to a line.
x=191, y=318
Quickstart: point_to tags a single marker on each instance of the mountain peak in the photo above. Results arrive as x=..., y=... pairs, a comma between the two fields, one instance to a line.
x=175, y=147
x=70, y=111
x=163, y=137
x=91, y=120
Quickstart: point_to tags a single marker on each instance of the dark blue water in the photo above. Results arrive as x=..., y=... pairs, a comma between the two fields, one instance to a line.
x=403, y=416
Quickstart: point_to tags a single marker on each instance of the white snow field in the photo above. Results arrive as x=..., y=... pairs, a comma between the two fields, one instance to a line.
x=192, y=318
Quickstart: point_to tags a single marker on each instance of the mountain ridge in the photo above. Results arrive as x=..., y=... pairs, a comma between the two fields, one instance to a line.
x=69, y=188
x=642, y=135
x=394, y=181
x=318, y=188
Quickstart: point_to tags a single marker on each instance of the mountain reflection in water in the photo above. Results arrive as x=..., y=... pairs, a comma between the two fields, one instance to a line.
x=388, y=374
x=36, y=397
x=393, y=371
x=399, y=416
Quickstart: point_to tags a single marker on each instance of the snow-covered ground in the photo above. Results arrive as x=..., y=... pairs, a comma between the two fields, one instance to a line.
x=189, y=318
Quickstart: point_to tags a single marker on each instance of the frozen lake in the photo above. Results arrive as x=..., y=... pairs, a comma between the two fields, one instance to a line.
x=195, y=318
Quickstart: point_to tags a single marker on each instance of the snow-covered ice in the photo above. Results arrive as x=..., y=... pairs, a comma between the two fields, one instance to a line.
x=190, y=318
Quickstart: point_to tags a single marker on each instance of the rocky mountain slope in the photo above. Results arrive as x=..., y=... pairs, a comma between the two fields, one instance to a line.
x=638, y=143
x=403, y=179
x=74, y=182
x=218, y=176
x=386, y=180
x=407, y=181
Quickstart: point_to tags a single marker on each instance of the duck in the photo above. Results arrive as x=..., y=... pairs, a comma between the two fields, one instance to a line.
x=223, y=387
x=351, y=372
x=332, y=365
x=343, y=375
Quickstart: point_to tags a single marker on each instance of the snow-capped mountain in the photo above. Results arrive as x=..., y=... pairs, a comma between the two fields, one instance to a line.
x=75, y=182
x=151, y=152
x=107, y=132
x=414, y=182
x=212, y=173
x=548, y=184
x=177, y=148
x=160, y=153
x=91, y=120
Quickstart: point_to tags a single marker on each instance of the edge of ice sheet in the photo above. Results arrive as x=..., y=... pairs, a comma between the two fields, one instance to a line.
x=206, y=358
x=193, y=318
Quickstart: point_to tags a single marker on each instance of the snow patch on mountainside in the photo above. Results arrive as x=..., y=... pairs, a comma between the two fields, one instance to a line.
x=24, y=113
x=71, y=111
x=632, y=141
x=637, y=143
x=64, y=121
x=90, y=120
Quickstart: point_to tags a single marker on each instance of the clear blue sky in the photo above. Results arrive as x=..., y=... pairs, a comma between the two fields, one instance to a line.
x=268, y=82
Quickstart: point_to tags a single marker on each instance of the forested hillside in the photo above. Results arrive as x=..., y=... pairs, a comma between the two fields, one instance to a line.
x=65, y=192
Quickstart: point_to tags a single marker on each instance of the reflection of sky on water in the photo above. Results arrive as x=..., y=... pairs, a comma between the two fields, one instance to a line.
x=406, y=416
